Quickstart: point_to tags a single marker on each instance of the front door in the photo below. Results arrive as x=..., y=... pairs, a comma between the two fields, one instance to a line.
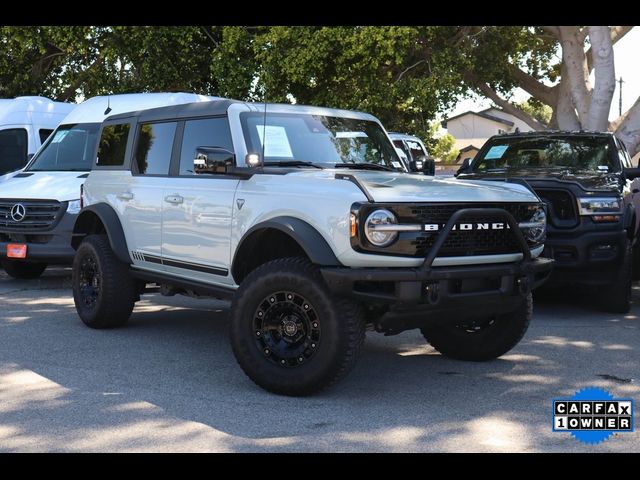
x=197, y=209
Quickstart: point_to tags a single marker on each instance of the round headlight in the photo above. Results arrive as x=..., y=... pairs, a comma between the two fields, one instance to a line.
x=374, y=228
x=538, y=226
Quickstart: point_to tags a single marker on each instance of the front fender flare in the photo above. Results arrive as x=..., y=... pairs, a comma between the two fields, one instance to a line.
x=109, y=219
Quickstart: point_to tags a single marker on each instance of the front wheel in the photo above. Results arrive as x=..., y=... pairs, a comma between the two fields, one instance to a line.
x=103, y=291
x=21, y=270
x=485, y=339
x=288, y=333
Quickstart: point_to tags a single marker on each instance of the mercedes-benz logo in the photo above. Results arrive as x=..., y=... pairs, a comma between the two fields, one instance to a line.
x=18, y=212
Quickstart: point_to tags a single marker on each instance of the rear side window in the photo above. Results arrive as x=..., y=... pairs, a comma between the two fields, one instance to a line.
x=44, y=134
x=113, y=145
x=13, y=149
x=207, y=132
x=153, y=150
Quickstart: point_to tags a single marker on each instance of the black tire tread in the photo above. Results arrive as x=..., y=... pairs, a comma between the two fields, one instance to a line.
x=351, y=314
x=118, y=294
x=517, y=322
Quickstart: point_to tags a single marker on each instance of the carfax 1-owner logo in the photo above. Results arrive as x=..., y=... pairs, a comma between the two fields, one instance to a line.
x=592, y=415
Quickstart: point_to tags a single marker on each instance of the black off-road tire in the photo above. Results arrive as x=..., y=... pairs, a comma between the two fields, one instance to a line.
x=484, y=341
x=107, y=300
x=21, y=270
x=636, y=260
x=336, y=339
x=616, y=297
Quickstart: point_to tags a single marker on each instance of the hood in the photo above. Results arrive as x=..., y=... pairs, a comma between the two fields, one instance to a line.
x=404, y=187
x=588, y=179
x=61, y=186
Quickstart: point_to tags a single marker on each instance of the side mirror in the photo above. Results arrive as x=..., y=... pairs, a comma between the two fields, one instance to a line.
x=213, y=160
x=632, y=173
x=429, y=166
x=465, y=166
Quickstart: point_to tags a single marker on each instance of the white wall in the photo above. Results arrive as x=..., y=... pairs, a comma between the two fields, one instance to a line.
x=506, y=116
x=473, y=126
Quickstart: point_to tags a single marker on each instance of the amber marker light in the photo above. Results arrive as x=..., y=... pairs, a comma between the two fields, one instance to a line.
x=354, y=230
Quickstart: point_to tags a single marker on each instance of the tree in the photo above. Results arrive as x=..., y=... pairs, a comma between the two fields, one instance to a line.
x=498, y=59
x=541, y=112
x=440, y=144
x=65, y=62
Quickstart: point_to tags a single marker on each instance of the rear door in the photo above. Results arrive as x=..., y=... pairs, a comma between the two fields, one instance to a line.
x=141, y=200
x=197, y=208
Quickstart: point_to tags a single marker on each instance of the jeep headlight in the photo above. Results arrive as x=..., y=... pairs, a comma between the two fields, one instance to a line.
x=599, y=206
x=379, y=228
x=535, y=228
x=74, y=206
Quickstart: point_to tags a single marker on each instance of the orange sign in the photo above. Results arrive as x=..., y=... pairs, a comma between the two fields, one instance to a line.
x=16, y=250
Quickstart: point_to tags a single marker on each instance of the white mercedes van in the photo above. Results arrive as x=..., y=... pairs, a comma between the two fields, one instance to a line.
x=39, y=205
x=25, y=124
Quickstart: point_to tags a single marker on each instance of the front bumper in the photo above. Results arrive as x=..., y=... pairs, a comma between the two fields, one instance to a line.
x=50, y=246
x=426, y=293
x=591, y=258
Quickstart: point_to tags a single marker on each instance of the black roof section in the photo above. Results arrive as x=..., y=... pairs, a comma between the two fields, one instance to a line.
x=185, y=110
x=554, y=133
x=479, y=114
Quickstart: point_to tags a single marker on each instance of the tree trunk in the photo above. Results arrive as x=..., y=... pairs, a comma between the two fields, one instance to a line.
x=605, y=78
x=629, y=129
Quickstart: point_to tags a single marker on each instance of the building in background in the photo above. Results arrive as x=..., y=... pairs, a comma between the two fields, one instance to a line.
x=472, y=129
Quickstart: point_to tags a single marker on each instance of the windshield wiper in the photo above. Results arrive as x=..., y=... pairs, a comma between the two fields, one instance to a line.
x=365, y=166
x=292, y=163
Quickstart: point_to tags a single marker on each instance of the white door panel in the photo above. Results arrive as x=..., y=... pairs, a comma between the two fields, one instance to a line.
x=196, y=227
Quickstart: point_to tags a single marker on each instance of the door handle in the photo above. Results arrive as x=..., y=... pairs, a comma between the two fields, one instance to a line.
x=175, y=199
x=125, y=196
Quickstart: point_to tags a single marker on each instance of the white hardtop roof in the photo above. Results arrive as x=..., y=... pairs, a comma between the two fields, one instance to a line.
x=93, y=110
x=21, y=110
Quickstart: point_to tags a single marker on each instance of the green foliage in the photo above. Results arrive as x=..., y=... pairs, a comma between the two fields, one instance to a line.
x=440, y=144
x=537, y=110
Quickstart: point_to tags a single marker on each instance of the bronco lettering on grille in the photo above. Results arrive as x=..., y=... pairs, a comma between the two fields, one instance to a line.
x=434, y=227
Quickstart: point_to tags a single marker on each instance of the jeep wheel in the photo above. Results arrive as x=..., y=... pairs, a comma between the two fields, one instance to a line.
x=288, y=333
x=616, y=297
x=23, y=270
x=103, y=290
x=482, y=340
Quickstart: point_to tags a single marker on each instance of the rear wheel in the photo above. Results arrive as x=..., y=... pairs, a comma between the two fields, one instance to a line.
x=484, y=339
x=23, y=270
x=103, y=290
x=288, y=333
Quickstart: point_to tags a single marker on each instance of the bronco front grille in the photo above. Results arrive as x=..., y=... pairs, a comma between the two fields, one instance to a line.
x=37, y=215
x=459, y=242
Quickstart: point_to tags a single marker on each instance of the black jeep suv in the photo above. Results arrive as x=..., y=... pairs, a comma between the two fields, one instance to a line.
x=588, y=183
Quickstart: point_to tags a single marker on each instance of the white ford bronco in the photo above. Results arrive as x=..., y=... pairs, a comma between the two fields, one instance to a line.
x=305, y=219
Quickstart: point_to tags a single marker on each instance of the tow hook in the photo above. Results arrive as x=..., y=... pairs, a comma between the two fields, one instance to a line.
x=432, y=293
x=523, y=285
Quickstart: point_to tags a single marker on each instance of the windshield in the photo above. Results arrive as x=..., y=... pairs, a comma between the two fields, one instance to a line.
x=318, y=139
x=69, y=148
x=578, y=152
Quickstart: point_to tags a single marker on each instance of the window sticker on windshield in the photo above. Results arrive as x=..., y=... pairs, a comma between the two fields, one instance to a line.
x=603, y=168
x=496, y=152
x=396, y=164
x=277, y=144
x=60, y=134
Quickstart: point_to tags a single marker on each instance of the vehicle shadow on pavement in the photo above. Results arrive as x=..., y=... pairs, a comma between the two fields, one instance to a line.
x=169, y=382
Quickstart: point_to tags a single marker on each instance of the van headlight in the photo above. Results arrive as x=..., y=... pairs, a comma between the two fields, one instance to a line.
x=379, y=228
x=535, y=229
x=73, y=206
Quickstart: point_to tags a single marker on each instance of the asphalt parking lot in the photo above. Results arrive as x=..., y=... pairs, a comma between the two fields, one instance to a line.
x=169, y=382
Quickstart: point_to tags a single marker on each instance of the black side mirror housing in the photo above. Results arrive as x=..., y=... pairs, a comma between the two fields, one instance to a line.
x=465, y=166
x=632, y=173
x=429, y=166
x=213, y=160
